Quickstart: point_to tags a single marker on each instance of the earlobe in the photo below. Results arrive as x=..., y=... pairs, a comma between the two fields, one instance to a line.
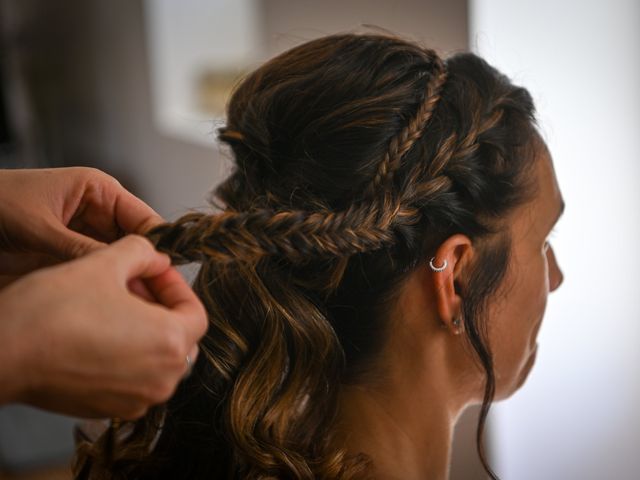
x=457, y=326
x=445, y=267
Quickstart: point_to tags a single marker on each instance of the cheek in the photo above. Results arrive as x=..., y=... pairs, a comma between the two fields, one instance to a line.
x=528, y=298
x=516, y=322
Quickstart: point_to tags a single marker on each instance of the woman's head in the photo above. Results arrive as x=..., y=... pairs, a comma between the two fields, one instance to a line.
x=357, y=159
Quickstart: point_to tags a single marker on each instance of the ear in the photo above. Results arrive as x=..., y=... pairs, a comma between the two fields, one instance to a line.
x=457, y=250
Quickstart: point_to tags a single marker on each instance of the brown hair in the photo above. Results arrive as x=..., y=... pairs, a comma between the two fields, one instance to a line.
x=356, y=157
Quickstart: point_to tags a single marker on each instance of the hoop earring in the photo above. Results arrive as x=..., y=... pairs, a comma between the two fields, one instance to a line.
x=437, y=269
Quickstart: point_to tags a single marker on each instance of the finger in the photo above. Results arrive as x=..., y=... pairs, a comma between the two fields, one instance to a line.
x=13, y=266
x=107, y=211
x=19, y=263
x=68, y=244
x=135, y=257
x=172, y=291
x=137, y=286
x=133, y=215
x=6, y=280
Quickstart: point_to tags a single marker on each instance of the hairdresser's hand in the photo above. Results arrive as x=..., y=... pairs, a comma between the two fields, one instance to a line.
x=51, y=215
x=76, y=340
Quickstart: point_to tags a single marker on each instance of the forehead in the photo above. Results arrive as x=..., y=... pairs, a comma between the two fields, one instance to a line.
x=542, y=211
x=549, y=190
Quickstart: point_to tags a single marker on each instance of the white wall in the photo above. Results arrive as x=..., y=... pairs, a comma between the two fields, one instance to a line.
x=186, y=39
x=577, y=417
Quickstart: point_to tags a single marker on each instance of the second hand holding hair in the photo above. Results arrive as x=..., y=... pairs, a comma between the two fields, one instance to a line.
x=101, y=350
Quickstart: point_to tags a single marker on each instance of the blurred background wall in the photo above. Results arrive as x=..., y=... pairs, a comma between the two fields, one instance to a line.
x=90, y=82
x=577, y=416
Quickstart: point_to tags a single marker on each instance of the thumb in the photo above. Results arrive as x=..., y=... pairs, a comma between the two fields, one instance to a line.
x=135, y=257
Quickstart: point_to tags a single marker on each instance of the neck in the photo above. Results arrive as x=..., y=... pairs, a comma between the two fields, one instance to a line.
x=405, y=437
x=404, y=418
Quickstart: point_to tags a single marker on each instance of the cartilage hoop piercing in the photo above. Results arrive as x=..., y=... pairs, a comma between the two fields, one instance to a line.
x=437, y=269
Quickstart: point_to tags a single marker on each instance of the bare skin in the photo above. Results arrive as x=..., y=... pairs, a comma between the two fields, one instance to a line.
x=405, y=421
x=51, y=215
x=106, y=334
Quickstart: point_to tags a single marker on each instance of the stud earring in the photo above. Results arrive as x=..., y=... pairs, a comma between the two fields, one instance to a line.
x=437, y=269
x=456, y=322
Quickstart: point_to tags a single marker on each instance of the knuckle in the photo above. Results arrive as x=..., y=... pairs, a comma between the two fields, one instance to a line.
x=174, y=345
x=109, y=182
x=203, y=320
x=159, y=391
x=90, y=174
x=164, y=391
x=97, y=180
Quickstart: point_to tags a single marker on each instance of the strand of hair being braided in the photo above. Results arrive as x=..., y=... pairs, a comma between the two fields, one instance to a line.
x=298, y=235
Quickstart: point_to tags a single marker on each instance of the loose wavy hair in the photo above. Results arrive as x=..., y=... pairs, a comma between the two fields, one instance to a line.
x=356, y=156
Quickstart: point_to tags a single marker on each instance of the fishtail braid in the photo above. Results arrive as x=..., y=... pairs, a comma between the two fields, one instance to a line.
x=299, y=235
x=295, y=235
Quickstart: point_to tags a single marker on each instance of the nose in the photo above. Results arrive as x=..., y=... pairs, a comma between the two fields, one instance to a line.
x=555, y=274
